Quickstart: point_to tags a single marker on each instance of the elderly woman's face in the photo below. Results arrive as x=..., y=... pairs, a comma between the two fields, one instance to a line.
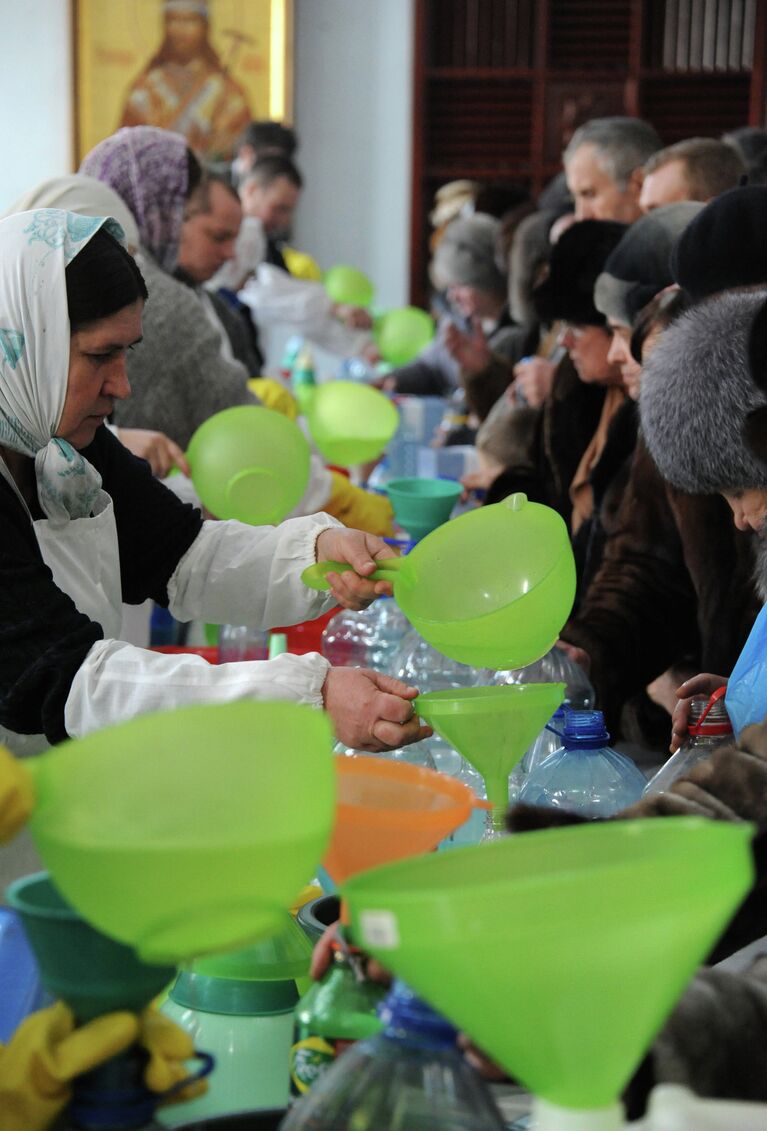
x=97, y=374
x=473, y=302
x=749, y=508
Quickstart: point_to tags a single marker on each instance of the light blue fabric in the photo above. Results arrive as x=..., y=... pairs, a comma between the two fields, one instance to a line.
x=746, y=696
x=35, y=248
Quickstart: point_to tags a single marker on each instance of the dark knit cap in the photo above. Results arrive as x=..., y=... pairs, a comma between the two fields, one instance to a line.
x=640, y=265
x=725, y=246
x=101, y=279
x=697, y=393
x=577, y=258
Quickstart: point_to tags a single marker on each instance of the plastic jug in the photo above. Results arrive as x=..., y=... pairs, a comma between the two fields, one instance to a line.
x=709, y=726
x=410, y=1076
x=239, y=1007
x=585, y=775
x=367, y=638
x=549, y=740
x=555, y=667
x=240, y=642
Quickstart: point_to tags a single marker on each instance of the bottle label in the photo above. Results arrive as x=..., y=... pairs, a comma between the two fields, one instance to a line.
x=310, y=1056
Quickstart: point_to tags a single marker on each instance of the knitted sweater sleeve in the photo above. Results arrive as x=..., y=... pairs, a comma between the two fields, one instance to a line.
x=178, y=374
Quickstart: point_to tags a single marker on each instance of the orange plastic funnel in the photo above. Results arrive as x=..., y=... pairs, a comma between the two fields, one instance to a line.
x=390, y=810
x=492, y=728
x=559, y=952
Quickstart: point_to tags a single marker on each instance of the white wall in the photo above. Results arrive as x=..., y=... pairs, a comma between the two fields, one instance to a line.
x=35, y=94
x=353, y=113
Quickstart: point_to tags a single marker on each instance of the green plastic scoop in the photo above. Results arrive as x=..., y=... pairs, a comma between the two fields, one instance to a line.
x=350, y=423
x=190, y=831
x=249, y=463
x=491, y=588
x=559, y=952
x=492, y=728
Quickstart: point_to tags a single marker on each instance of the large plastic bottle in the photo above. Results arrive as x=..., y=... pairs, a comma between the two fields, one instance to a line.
x=585, y=775
x=366, y=638
x=555, y=667
x=549, y=740
x=709, y=726
x=239, y=642
x=410, y=1076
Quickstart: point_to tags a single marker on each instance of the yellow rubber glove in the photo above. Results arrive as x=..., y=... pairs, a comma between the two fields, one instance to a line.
x=301, y=265
x=361, y=510
x=46, y=1053
x=168, y=1047
x=17, y=795
x=274, y=395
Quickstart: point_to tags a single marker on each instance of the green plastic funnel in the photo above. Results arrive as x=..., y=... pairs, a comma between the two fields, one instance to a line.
x=491, y=588
x=249, y=463
x=350, y=423
x=90, y=972
x=401, y=334
x=492, y=728
x=348, y=286
x=559, y=952
x=188, y=832
x=421, y=505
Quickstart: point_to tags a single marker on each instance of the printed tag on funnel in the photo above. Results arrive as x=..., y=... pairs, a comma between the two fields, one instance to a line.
x=379, y=928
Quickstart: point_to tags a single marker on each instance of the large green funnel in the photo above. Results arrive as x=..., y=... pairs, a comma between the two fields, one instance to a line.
x=559, y=952
x=190, y=831
x=421, y=505
x=91, y=973
x=492, y=728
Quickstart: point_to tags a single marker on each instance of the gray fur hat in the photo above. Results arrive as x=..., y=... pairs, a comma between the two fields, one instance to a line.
x=465, y=256
x=696, y=393
x=640, y=266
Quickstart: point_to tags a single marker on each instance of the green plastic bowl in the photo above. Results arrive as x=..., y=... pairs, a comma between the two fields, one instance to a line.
x=401, y=334
x=350, y=423
x=491, y=588
x=249, y=463
x=190, y=831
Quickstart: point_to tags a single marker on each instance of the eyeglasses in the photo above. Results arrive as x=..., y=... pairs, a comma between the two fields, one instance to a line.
x=573, y=330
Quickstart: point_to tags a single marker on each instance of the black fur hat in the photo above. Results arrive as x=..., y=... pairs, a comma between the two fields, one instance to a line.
x=697, y=393
x=725, y=246
x=640, y=265
x=577, y=258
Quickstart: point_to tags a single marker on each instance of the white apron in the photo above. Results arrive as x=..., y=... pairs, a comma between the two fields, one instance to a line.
x=84, y=559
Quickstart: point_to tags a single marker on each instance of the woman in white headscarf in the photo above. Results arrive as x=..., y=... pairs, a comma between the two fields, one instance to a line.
x=76, y=192
x=86, y=526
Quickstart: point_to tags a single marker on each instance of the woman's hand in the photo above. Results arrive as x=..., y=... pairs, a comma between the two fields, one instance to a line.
x=471, y=351
x=533, y=378
x=703, y=684
x=352, y=589
x=156, y=448
x=578, y=655
x=371, y=711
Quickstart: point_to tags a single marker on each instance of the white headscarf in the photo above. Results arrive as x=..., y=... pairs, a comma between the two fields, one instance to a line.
x=35, y=248
x=78, y=193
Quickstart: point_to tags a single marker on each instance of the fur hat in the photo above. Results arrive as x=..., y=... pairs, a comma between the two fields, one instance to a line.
x=696, y=394
x=640, y=265
x=577, y=258
x=755, y=427
x=465, y=255
x=725, y=246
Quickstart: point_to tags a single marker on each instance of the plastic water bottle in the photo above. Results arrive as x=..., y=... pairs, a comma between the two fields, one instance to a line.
x=366, y=638
x=549, y=740
x=709, y=726
x=416, y=754
x=239, y=642
x=410, y=1076
x=291, y=351
x=584, y=775
x=555, y=667
x=356, y=369
x=427, y=669
x=303, y=378
x=333, y=1013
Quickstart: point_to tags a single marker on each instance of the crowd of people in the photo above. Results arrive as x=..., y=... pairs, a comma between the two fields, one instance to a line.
x=609, y=343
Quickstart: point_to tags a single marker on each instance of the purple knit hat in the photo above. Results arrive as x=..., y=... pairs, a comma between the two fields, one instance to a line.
x=148, y=168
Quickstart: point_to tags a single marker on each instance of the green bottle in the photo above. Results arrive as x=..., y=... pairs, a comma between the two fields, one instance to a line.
x=303, y=379
x=333, y=1014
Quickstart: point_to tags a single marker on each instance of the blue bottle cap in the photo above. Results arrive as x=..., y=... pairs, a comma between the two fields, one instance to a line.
x=584, y=730
x=407, y=1018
